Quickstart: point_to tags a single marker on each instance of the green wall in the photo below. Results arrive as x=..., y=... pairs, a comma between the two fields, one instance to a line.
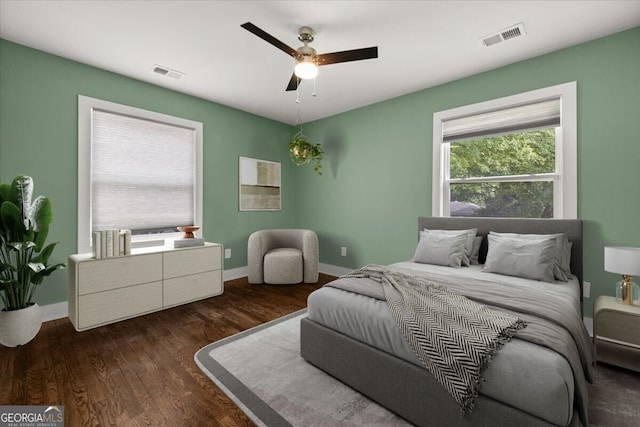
x=377, y=177
x=377, y=169
x=38, y=137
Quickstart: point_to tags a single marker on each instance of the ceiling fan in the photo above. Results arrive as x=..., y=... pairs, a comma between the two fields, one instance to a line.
x=307, y=60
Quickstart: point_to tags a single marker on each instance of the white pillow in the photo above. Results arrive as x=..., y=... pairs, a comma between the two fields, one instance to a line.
x=528, y=258
x=470, y=234
x=440, y=249
x=561, y=270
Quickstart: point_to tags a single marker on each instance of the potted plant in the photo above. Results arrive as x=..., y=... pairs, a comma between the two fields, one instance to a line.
x=302, y=152
x=24, y=259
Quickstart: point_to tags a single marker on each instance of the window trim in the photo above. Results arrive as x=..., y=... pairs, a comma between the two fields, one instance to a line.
x=86, y=105
x=566, y=176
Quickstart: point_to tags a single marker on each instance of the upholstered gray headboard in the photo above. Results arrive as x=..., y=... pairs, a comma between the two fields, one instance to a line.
x=571, y=227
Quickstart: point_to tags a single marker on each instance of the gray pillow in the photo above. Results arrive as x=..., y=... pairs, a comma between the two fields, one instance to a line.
x=566, y=259
x=440, y=249
x=528, y=258
x=475, y=251
x=561, y=270
x=468, y=245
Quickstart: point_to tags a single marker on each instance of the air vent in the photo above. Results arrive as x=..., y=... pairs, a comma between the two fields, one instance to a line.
x=168, y=72
x=506, y=34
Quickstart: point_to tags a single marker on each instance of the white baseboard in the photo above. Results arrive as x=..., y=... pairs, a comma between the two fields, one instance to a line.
x=235, y=273
x=55, y=311
x=333, y=270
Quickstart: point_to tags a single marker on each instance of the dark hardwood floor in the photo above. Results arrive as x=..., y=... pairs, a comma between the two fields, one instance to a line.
x=141, y=371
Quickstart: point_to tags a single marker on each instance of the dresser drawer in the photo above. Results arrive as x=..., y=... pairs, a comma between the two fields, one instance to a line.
x=619, y=326
x=191, y=261
x=106, y=274
x=110, y=306
x=192, y=287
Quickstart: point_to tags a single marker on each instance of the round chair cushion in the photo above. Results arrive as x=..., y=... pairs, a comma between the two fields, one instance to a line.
x=283, y=266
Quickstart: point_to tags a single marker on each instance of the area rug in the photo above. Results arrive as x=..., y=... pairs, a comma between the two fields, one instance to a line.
x=262, y=371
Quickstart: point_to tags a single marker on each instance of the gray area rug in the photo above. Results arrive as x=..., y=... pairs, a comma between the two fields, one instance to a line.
x=262, y=372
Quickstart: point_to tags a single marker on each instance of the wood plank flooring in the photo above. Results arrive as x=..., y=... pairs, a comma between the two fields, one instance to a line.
x=140, y=372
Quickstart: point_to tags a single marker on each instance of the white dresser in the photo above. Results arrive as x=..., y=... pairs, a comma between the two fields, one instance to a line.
x=107, y=290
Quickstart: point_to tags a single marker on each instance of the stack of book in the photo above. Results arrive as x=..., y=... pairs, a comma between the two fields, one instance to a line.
x=184, y=243
x=111, y=243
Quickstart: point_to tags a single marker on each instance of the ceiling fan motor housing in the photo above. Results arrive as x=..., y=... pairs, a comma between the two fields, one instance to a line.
x=306, y=51
x=305, y=34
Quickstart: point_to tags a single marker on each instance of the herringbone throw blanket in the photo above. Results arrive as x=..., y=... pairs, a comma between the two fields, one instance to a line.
x=454, y=337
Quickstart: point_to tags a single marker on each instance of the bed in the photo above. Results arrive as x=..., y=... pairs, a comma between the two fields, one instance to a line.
x=539, y=381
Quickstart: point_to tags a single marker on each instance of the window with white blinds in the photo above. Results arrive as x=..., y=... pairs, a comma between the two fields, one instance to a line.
x=513, y=156
x=536, y=115
x=138, y=170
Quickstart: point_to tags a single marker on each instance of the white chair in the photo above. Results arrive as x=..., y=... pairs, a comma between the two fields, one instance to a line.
x=283, y=256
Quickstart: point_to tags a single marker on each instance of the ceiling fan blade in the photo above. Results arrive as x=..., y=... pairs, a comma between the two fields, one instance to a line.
x=347, y=55
x=294, y=82
x=269, y=39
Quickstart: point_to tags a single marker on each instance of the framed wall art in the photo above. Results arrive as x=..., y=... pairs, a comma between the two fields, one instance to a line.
x=259, y=185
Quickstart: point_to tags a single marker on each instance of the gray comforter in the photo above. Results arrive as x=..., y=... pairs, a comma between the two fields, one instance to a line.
x=552, y=322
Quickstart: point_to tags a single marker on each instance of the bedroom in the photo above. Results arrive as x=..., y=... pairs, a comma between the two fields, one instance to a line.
x=39, y=123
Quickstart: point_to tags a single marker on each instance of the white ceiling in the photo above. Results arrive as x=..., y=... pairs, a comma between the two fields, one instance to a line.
x=421, y=43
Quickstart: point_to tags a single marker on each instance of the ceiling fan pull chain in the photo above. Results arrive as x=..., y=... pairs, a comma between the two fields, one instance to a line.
x=314, y=87
x=298, y=94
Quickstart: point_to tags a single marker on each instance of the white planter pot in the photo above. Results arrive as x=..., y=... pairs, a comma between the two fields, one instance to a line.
x=18, y=327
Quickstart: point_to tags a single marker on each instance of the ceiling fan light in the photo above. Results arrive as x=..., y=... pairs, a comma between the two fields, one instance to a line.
x=306, y=69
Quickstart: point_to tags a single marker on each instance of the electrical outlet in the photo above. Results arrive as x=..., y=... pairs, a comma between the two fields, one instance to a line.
x=586, y=289
x=343, y=251
x=227, y=253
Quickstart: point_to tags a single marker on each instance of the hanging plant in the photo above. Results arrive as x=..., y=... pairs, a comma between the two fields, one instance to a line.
x=302, y=152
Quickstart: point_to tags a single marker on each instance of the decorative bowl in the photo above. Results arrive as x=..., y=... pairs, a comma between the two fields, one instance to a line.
x=188, y=230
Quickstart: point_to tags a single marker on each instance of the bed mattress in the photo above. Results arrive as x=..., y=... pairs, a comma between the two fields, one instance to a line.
x=524, y=375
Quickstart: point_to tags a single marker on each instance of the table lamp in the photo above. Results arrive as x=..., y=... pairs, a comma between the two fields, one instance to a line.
x=624, y=261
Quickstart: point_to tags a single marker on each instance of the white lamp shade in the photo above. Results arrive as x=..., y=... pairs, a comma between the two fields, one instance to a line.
x=306, y=70
x=622, y=260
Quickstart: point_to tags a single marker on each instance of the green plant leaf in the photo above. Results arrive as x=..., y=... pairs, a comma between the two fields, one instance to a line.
x=4, y=191
x=4, y=196
x=45, y=253
x=13, y=223
x=21, y=246
x=40, y=275
x=20, y=194
x=5, y=284
x=6, y=267
x=41, y=216
x=36, y=267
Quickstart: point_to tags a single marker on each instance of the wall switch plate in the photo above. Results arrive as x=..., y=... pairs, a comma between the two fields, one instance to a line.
x=343, y=251
x=227, y=253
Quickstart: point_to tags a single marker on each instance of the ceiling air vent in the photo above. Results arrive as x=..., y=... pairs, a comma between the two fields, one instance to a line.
x=506, y=34
x=164, y=71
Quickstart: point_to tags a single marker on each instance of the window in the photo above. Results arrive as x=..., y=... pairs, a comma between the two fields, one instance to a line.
x=509, y=157
x=138, y=170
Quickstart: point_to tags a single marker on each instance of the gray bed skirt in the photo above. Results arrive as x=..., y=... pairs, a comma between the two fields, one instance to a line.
x=400, y=386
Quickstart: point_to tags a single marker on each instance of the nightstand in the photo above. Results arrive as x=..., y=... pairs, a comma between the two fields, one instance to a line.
x=616, y=332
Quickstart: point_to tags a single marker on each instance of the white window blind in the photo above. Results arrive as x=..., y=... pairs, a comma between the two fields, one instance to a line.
x=536, y=115
x=142, y=173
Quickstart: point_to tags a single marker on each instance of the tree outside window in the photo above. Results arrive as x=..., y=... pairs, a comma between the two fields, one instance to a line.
x=503, y=176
